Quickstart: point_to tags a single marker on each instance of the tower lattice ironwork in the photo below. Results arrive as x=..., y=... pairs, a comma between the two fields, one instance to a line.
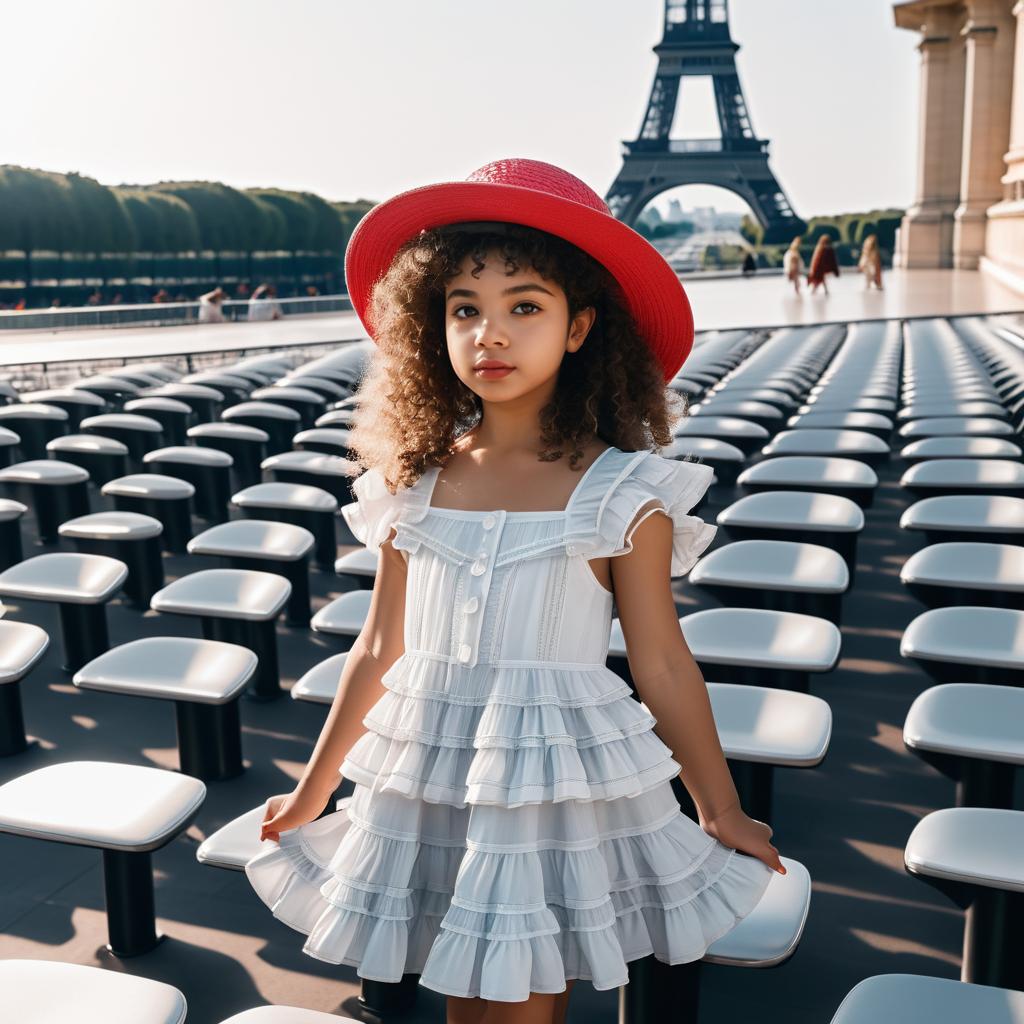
x=697, y=42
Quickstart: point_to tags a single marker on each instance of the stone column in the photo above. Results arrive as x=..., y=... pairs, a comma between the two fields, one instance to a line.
x=989, y=37
x=926, y=233
x=1004, y=238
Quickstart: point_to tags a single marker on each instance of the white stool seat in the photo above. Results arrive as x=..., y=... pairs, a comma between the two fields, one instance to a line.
x=225, y=593
x=933, y=410
x=977, y=720
x=748, y=408
x=976, y=845
x=285, y=495
x=969, y=513
x=49, y=990
x=32, y=411
x=92, y=444
x=361, y=562
x=276, y=391
x=345, y=615
x=233, y=845
x=759, y=637
x=143, y=405
x=11, y=509
x=287, y=1015
x=766, y=726
x=796, y=510
x=983, y=474
x=43, y=471
x=269, y=410
x=720, y=426
x=817, y=441
x=753, y=637
x=320, y=683
x=707, y=448
x=171, y=668
x=967, y=635
x=106, y=382
x=917, y=999
x=950, y=447
x=335, y=418
x=771, y=932
x=967, y=564
x=112, y=526
x=68, y=395
x=21, y=646
x=99, y=803
x=64, y=576
x=8, y=438
x=801, y=470
x=774, y=565
x=188, y=454
x=230, y=432
x=962, y=425
x=838, y=420
x=149, y=485
x=185, y=392
x=123, y=421
x=254, y=537
x=309, y=462
x=324, y=435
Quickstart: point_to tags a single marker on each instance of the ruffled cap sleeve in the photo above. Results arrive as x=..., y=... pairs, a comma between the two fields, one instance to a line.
x=375, y=510
x=676, y=486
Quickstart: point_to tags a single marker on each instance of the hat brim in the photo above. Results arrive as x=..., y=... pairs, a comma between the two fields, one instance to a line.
x=653, y=292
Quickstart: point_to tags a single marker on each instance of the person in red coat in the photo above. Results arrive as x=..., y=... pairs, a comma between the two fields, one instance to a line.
x=823, y=262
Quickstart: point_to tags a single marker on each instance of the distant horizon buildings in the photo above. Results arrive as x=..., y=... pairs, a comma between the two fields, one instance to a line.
x=969, y=207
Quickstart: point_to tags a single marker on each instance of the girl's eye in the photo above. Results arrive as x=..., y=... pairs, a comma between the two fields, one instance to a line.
x=458, y=309
x=528, y=303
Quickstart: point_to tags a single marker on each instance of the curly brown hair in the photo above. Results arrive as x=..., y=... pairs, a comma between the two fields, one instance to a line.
x=413, y=406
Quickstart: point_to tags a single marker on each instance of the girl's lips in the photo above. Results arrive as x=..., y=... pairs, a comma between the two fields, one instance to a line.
x=493, y=372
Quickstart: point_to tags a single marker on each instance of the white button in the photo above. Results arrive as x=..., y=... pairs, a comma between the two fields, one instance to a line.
x=464, y=653
x=478, y=568
x=489, y=522
x=471, y=605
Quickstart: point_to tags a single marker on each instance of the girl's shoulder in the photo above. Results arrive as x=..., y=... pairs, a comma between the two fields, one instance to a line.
x=375, y=510
x=625, y=485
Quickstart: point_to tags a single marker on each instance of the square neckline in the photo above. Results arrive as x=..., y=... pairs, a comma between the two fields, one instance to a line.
x=546, y=513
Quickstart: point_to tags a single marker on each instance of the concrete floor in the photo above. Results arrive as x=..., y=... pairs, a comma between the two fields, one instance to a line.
x=718, y=303
x=847, y=821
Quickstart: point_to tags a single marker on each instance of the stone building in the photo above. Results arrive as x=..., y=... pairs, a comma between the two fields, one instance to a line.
x=969, y=206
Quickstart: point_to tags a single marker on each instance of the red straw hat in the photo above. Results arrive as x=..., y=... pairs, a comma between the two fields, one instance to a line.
x=541, y=196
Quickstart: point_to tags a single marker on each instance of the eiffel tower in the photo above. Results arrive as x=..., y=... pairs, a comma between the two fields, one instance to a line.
x=697, y=42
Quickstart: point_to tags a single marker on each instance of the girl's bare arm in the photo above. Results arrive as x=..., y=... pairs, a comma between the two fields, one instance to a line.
x=664, y=672
x=377, y=647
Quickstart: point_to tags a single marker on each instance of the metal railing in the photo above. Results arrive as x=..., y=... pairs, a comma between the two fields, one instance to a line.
x=156, y=314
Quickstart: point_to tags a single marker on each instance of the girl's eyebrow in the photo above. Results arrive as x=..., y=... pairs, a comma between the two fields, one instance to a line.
x=465, y=293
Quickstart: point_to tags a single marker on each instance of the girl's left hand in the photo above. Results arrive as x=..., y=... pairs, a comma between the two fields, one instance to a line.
x=734, y=829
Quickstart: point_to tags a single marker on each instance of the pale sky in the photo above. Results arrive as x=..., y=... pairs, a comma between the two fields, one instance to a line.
x=365, y=99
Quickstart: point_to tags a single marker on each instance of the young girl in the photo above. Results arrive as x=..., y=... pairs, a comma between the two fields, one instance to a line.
x=513, y=826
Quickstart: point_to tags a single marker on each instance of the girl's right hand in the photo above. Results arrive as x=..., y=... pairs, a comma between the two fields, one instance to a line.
x=289, y=811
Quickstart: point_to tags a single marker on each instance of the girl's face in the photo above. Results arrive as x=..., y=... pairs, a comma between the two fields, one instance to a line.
x=520, y=320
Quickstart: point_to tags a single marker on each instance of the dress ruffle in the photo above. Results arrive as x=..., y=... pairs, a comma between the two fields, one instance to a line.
x=500, y=925
x=600, y=519
x=375, y=510
x=529, y=748
x=595, y=524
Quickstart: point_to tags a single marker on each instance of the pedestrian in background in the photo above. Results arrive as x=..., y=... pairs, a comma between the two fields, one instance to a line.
x=793, y=263
x=870, y=263
x=823, y=262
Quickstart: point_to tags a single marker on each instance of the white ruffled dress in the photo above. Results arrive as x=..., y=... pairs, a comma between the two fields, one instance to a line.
x=512, y=824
